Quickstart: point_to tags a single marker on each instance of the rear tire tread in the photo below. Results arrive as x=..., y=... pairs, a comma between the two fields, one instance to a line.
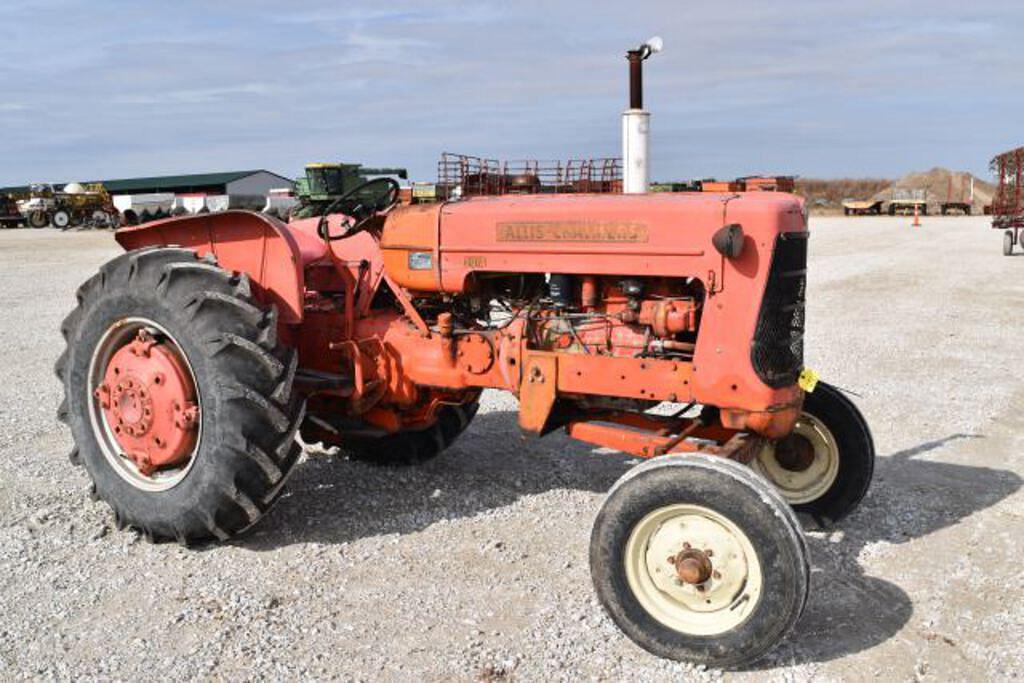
x=252, y=438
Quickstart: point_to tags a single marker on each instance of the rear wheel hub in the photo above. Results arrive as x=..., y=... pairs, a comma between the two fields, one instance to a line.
x=146, y=405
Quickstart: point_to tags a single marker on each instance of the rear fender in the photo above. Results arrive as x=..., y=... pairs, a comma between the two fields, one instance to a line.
x=264, y=248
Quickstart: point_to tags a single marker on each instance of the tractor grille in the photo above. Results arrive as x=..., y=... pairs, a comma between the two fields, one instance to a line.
x=777, y=352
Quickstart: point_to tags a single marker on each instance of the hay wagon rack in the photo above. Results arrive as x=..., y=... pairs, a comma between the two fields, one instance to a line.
x=1008, y=204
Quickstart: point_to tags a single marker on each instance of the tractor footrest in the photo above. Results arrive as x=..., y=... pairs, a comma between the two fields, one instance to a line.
x=316, y=380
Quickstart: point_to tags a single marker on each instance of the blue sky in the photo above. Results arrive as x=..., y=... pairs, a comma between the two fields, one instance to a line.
x=108, y=89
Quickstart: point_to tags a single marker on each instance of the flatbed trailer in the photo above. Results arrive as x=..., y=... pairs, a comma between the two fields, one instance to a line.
x=904, y=206
x=958, y=198
x=1008, y=204
x=866, y=207
x=948, y=207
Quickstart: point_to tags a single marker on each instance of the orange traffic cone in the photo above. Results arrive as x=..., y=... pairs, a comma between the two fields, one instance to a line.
x=917, y=216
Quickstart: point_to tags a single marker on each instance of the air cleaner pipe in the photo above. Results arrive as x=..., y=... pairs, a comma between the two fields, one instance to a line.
x=636, y=122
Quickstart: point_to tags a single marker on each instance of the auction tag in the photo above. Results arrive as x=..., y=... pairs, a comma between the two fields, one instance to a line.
x=808, y=380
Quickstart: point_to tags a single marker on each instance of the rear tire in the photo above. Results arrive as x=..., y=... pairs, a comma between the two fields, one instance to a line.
x=243, y=378
x=412, y=447
x=747, y=594
x=1007, y=243
x=38, y=219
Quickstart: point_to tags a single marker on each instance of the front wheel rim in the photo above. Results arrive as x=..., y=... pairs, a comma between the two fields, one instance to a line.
x=813, y=479
x=144, y=408
x=693, y=570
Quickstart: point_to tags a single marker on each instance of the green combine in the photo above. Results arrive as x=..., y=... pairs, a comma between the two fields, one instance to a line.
x=324, y=183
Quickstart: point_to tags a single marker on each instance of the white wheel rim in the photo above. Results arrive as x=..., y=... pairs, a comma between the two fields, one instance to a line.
x=717, y=605
x=61, y=219
x=808, y=484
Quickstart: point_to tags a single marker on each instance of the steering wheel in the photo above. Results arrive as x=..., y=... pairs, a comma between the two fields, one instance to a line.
x=361, y=203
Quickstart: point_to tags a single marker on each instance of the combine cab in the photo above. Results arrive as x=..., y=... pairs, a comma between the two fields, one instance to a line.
x=324, y=184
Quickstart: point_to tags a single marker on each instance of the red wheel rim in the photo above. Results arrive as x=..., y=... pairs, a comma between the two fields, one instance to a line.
x=145, y=405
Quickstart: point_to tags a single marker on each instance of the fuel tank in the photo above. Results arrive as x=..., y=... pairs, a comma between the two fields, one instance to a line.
x=438, y=247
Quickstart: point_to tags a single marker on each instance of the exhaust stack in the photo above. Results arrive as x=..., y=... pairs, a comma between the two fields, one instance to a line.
x=636, y=122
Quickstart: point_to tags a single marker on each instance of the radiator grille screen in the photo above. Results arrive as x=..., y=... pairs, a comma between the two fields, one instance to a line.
x=777, y=352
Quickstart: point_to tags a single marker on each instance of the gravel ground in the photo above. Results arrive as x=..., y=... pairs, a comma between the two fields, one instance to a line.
x=474, y=565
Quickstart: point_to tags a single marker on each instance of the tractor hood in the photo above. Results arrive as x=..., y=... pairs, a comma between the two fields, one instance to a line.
x=438, y=247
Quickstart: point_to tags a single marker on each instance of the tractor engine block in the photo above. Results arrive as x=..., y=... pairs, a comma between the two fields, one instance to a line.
x=629, y=318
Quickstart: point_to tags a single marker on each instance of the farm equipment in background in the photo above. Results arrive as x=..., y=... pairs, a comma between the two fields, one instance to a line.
x=907, y=202
x=685, y=186
x=959, y=194
x=781, y=183
x=74, y=205
x=862, y=207
x=280, y=202
x=142, y=208
x=758, y=183
x=90, y=205
x=462, y=175
x=40, y=205
x=10, y=216
x=1008, y=203
x=323, y=184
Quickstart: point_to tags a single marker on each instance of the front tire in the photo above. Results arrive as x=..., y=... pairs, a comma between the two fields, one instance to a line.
x=1007, y=243
x=61, y=219
x=824, y=468
x=244, y=413
x=698, y=559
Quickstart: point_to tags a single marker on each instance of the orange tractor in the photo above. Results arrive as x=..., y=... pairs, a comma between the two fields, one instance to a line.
x=195, y=358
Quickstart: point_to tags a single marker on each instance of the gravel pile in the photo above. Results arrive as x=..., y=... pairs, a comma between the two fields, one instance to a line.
x=940, y=185
x=473, y=566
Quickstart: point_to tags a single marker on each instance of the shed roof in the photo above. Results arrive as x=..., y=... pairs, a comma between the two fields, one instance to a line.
x=172, y=181
x=125, y=185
